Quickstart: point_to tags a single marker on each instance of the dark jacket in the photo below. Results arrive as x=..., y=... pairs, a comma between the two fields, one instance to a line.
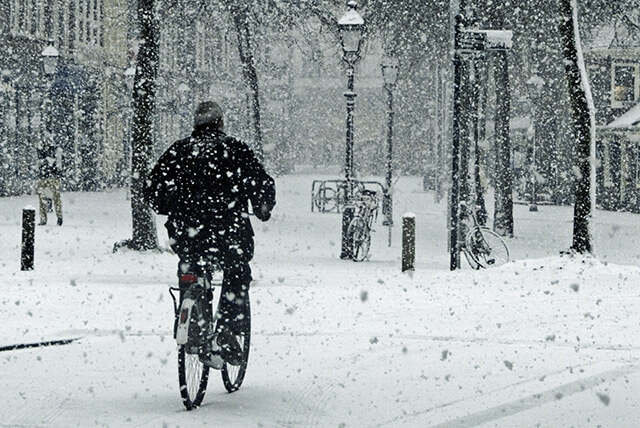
x=206, y=181
x=49, y=162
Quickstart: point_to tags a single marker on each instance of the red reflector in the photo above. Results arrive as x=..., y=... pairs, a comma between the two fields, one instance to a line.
x=188, y=279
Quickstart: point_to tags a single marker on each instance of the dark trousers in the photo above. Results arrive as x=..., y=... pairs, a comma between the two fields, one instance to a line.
x=231, y=252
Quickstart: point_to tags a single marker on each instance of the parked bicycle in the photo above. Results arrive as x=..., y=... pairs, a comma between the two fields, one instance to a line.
x=366, y=203
x=195, y=333
x=481, y=246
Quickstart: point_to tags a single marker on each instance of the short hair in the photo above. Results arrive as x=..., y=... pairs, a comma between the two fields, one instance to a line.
x=207, y=112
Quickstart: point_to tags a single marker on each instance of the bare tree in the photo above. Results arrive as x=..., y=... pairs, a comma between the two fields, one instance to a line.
x=243, y=24
x=144, y=91
x=583, y=126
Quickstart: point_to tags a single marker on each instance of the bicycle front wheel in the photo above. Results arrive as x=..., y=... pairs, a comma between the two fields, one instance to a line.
x=487, y=247
x=193, y=376
x=233, y=375
x=360, y=239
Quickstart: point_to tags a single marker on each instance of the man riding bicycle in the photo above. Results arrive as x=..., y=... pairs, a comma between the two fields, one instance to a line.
x=203, y=184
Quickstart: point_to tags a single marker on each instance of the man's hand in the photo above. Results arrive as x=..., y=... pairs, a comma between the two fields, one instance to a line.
x=263, y=212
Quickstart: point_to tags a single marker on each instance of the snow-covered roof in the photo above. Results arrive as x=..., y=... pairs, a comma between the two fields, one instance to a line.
x=623, y=33
x=631, y=119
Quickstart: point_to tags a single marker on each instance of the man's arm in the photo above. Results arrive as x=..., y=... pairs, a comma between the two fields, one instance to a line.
x=260, y=187
x=160, y=183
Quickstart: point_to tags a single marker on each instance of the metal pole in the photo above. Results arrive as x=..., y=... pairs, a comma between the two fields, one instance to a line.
x=387, y=201
x=454, y=216
x=347, y=214
x=350, y=96
x=437, y=130
x=478, y=117
x=534, y=181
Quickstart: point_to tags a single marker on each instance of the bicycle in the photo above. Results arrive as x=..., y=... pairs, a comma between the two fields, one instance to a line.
x=195, y=330
x=366, y=204
x=482, y=247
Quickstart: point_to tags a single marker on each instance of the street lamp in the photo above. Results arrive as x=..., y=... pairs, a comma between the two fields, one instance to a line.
x=50, y=57
x=390, y=76
x=351, y=29
x=535, y=84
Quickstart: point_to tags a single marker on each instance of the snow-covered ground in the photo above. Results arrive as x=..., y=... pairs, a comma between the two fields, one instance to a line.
x=544, y=341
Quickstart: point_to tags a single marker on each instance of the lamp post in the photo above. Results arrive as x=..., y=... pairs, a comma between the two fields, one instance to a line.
x=351, y=29
x=390, y=77
x=50, y=56
x=535, y=83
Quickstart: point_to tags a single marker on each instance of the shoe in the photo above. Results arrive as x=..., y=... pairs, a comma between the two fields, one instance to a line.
x=230, y=348
x=212, y=357
x=59, y=221
x=42, y=223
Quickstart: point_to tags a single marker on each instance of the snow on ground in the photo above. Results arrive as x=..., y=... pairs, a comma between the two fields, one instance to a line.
x=543, y=341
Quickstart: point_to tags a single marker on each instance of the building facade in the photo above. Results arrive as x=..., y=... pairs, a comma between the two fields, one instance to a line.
x=301, y=76
x=613, y=64
x=84, y=92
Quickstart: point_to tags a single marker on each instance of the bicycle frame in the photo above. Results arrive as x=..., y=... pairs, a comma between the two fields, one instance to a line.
x=365, y=205
x=183, y=305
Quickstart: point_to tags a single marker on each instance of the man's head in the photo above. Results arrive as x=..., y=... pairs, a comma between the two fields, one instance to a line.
x=208, y=113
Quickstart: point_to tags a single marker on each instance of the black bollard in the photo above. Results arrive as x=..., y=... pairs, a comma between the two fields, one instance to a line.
x=28, y=233
x=408, y=241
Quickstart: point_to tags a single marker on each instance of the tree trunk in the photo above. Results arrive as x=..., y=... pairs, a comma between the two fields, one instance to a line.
x=246, y=50
x=503, y=217
x=583, y=126
x=144, y=90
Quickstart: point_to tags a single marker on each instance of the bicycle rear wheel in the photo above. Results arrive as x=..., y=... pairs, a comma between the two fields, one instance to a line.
x=233, y=375
x=360, y=239
x=487, y=247
x=193, y=376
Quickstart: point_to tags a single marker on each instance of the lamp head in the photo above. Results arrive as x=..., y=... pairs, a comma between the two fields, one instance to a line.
x=389, y=66
x=351, y=28
x=50, y=57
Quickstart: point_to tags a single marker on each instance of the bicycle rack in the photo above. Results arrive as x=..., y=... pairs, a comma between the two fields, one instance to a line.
x=323, y=203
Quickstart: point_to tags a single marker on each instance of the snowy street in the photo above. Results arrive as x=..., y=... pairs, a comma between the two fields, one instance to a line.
x=543, y=341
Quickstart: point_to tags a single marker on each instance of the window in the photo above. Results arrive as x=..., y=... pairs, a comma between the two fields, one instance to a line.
x=87, y=21
x=80, y=17
x=207, y=48
x=26, y=17
x=624, y=84
x=72, y=25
